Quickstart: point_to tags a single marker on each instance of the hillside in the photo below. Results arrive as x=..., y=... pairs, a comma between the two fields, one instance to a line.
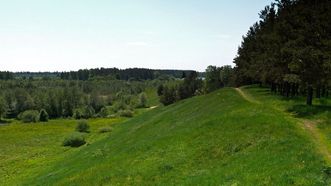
x=226, y=137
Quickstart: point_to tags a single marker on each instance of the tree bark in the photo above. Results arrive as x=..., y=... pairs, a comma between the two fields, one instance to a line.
x=287, y=89
x=323, y=91
x=318, y=91
x=310, y=95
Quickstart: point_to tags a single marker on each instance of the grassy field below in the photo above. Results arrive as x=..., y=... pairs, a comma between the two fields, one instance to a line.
x=223, y=138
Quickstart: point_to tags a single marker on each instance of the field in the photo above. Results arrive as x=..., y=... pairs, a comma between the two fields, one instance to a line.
x=229, y=137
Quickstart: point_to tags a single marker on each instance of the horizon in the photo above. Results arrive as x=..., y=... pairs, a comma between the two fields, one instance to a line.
x=101, y=68
x=47, y=36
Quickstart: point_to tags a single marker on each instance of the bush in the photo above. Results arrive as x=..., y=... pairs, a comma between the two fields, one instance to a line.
x=43, y=116
x=29, y=116
x=104, y=112
x=82, y=126
x=118, y=106
x=142, y=100
x=85, y=112
x=74, y=140
x=88, y=112
x=78, y=114
x=105, y=129
x=126, y=113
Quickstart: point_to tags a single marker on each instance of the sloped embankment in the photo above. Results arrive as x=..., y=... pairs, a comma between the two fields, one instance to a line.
x=220, y=138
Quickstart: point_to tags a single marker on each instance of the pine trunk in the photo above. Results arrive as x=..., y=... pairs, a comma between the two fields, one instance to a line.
x=323, y=91
x=310, y=95
x=318, y=91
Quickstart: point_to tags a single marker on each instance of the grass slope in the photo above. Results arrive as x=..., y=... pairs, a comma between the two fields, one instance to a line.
x=217, y=139
x=315, y=119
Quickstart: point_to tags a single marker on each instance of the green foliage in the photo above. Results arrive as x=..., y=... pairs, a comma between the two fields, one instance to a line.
x=29, y=116
x=142, y=103
x=213, y=79
x=88, y=112
x=126, y=113
x=43, y=116
x=66, y=98
x=6, y=75
x=120, y=105
x=175, y=91
x=78, y=114
x=105, y=129
x=160, y=89
x=120, y=74
x=169, y=95
x=104, y=112
x=74, y=140
x=227, y=75
x=2, y=107
x=82, y=126
x=84, y=112
x=288, y=49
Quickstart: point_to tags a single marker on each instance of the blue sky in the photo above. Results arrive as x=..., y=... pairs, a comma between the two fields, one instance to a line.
x=61, y=35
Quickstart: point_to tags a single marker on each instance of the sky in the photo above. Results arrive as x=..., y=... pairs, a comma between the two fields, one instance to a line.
x=63, y=35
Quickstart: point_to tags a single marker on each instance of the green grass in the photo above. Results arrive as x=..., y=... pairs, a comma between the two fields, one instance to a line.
x=217, y=139
x=27, y=148
x=319, y=113
x=152, y=97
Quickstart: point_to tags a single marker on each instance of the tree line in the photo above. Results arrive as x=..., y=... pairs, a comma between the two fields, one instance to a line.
x=68, y=98
x=192, y=85
x=6, y=75
x=120, y=74
x=289, y=49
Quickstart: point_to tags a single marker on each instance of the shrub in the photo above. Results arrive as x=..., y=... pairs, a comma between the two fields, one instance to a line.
x=104, y=112
x=82, y=126
x=126, y=113
x=74, y=140
x=88, y=112
x=78, y=114
x=118, y=106
x=29, y=116
x=84, y=112
x=105, y=129
x=142, y=100
x=43, y=116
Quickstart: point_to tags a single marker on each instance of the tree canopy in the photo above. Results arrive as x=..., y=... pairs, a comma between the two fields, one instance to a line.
x=289, y=48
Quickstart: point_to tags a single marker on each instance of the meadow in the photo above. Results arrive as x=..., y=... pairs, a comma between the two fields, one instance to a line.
x=222, y=138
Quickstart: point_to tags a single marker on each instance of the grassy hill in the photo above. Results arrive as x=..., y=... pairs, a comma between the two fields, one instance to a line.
x=224, y=138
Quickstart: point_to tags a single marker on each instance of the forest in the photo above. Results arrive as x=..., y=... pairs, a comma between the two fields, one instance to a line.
x=98, y=92
x=68, y=98
x=289, y=49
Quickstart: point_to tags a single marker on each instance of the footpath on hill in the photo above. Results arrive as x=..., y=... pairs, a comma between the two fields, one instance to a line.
x=309, y=125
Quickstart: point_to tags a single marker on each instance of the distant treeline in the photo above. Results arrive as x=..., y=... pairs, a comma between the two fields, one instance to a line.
x=119, y=74
x=6, y=75
x=289, y=49
x=110, y=73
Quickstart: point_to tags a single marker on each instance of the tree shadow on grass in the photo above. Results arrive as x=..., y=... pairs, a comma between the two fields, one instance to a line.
x=305, y=111
x=4, y=122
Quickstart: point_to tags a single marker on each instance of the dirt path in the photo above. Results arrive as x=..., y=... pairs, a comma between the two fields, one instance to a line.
x=318, y=138
x=310, y=126
x=246, y=97
x=153, y=107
